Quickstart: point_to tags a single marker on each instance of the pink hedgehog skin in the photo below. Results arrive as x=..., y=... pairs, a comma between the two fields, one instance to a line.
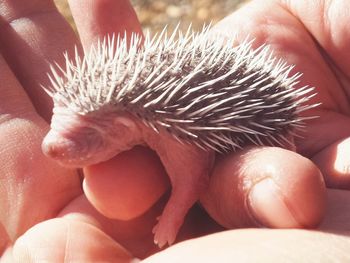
x=186, y=99
x=75, y=143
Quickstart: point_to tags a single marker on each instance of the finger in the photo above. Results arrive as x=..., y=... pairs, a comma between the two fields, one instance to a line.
x=126, y=186
x=334, y=162
x=27, y=177
x=64, y=240
x=265, y=186
x=14, y=100
x=273, y=23
x=329, y=26
x=33, y=35
x=260, y=245
x=135, y=235
x=96, y=19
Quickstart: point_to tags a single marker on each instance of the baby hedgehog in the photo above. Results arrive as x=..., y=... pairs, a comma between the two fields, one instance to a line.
x=186, y=96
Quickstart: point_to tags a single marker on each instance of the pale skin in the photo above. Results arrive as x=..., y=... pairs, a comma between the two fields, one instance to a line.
x=45, y=215
x=81, y=140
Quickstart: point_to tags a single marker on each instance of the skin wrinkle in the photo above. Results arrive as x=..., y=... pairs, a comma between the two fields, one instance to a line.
x=324, y=44
x=26, y=29
x=286, y=201
x=23, y=178
x=337, y=72
x=67, y=243
x=13, y=18
x=249, y=184
x=30, y=16
x=334, y=66
x=286, y=5
x=339, y=76
x=240, y=189
x=24, y=182
x=267, y=175
x=11, y=96
x=333, y=31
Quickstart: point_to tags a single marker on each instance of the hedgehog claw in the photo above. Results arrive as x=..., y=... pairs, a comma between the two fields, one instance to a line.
x=163, y=234
x=154, y=230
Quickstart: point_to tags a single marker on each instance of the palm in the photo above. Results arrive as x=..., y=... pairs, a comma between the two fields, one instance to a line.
x=318, y=48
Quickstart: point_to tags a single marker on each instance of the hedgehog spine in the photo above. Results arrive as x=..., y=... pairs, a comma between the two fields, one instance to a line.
x=203, y=91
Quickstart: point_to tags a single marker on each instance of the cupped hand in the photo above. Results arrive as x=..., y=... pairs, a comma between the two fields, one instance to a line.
x=275, y=187
x=46, y=216
x=35, y=191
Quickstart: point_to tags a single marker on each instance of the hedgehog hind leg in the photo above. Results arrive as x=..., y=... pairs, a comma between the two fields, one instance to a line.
x=188, y=168
x=169, y=223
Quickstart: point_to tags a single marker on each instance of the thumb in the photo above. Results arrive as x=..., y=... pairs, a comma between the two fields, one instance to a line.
x=266, y=186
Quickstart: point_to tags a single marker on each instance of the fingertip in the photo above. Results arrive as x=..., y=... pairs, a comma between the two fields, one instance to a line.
x=267, y=194
x=293, y=197
x=266, y=186
x=127, y=185
x=96, y=19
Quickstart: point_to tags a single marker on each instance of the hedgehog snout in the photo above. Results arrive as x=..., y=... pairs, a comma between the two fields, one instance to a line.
x=61, y=148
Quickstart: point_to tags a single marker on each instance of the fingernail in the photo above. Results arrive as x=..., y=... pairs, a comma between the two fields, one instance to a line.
x=267, y=207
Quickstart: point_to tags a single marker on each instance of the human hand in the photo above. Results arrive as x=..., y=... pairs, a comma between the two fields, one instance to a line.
x=35, y=192
x=79, y=223
x=314, y=36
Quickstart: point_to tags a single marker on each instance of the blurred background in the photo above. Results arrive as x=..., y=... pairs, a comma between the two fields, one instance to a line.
x=155, y=14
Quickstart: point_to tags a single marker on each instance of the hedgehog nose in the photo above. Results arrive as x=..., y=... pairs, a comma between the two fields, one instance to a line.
x=58, y=147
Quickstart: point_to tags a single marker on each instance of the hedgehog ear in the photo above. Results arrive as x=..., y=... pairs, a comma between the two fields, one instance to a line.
x=124, y=126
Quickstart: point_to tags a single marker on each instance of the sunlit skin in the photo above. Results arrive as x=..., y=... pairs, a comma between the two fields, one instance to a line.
x=77, y=140
x=45, y=214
